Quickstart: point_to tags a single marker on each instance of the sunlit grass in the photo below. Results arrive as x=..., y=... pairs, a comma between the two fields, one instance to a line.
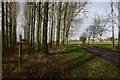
x=96, y=68
x=83, y=64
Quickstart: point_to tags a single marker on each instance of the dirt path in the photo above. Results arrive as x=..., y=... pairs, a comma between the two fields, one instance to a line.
x=112, y=57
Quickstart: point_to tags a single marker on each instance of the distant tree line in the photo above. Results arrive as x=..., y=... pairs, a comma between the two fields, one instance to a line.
x=99, y=25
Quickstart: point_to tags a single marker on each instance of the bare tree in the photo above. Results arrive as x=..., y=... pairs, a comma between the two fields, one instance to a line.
x=52, y=25
x=112, y=10
x=39, y=27
x=64, y=28
x=58, y=24
x=7, y=25
x=14, y=16
x=45, y=23
x=119, y=24
x=94, y=31
x=88, y=34
x=117, y=19
x=101, y=21
x=3, y=27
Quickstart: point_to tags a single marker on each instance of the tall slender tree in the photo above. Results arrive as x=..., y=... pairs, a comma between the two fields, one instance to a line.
x=64, y=27
x=3, y=27
x=112, y=10
x=14, y=13
x=32, y=25
x=45, y=27
x=39, y=27
x=58, y=24
x=7, y=25
x=52, y=26
x=10, y=26
x=119, y=25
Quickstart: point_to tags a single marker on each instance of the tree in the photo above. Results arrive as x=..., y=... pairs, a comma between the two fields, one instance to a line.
x=64, y=28
x=28, y=19
x=119, y=25
x=39, y=27
x=34, y=20
x=14, y=12
x=52, y=25
x=88, y=34
x=10, y=26
x=3, y=27
x=45, y=22
x=7, y=25
x=83, y=38
x=58, y=24
x=112, y=10
x=33, y=9
x=94, y=31
x=100, y=22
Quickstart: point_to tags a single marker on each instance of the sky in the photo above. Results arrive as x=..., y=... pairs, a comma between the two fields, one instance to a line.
x=93, y=8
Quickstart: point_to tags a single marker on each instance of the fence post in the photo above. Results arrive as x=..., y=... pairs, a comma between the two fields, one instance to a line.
x=20, y=51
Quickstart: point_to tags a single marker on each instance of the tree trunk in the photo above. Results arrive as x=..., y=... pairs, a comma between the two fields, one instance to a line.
x=39, y=28
x=119, y=38
x=112, y=10
x=14, y=31
x=6, y=25
x=88, y=40
x=100, y=38
x=34, y=10
x=58, y=24
x=51, y=38
x=14, y=23
x=67, y=31
x=93, y=39
x=67, y=36
x=3, y=28
x=119, y=25
x=45, y=25
x=32, y=26
x=10, y=26
x=63, y=35
x=28, y=30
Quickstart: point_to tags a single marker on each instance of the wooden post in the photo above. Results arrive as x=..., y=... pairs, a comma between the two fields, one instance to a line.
x=20, y=51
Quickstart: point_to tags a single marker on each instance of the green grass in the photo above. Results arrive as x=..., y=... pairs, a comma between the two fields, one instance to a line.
x=96, y=68
x=77, y=52
x=106, y=45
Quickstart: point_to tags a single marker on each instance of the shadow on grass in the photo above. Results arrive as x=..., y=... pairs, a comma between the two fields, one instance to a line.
x=76, y=63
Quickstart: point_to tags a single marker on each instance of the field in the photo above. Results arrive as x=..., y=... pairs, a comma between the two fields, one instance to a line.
x=69, y=62
x=106, y=45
